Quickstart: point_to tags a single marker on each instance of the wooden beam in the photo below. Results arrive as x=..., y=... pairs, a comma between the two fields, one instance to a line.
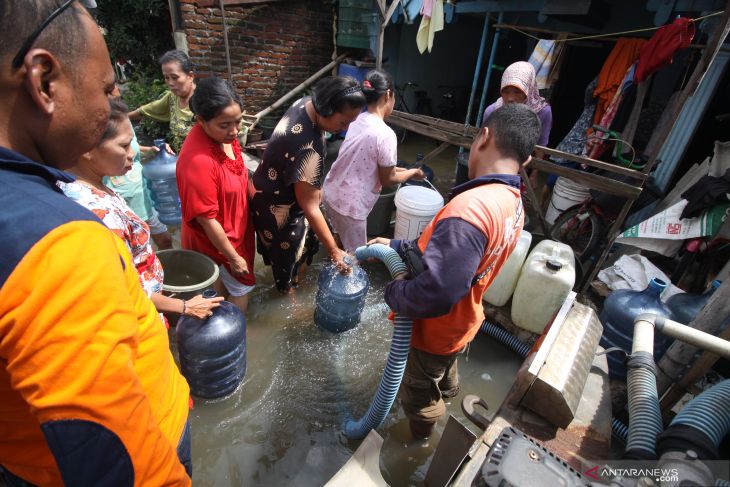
x=301, y=87
x=390, y=11
x=593, y=181
x=708, y=55
x=233, y=3
x=438, y=150
x=595, y=163
x=429, y=131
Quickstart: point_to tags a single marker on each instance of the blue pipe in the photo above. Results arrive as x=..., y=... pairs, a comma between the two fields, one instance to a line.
x=505, y=338
x=709, y=412
x=475, y=81
x=645, y=419
x=397, y=357
x=477, y=70
x=488, y=76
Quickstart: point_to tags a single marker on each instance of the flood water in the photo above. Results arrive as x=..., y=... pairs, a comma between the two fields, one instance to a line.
x=283, y=426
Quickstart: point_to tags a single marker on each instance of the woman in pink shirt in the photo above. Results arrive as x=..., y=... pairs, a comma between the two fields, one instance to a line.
x=366, y=162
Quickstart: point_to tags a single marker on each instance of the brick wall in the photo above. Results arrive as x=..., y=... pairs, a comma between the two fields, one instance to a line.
x=273, y=47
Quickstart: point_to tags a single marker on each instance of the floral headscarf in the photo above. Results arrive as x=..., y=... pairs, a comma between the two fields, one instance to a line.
x=521, y=75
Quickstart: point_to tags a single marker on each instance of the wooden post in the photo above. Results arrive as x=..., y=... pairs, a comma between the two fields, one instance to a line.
x=680, y=355
x=535, y=202
x=386, y=15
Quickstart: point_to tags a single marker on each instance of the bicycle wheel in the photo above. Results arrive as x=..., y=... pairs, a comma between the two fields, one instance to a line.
x=580, y=228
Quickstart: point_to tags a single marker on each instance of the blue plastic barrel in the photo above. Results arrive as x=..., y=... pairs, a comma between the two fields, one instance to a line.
x=686, y=306
x=340, y=298
x=213, y=351
x=162, y=183
x=619, y=311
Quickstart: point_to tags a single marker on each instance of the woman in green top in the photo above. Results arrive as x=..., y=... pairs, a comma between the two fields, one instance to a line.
x=172, y=106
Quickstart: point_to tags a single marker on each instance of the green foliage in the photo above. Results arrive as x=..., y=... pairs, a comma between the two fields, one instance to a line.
x=143, y=89
x=136, y=30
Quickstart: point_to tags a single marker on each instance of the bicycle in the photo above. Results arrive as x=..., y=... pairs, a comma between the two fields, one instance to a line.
x=585, y=225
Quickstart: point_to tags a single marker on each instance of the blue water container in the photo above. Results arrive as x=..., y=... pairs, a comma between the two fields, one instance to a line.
x=340, y=298
x=162, y=183
x=213, y=351
x=619, y=311
x=686, y=306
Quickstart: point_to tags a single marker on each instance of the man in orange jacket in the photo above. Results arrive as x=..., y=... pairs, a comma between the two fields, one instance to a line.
x=459, y=254
x=89, y=391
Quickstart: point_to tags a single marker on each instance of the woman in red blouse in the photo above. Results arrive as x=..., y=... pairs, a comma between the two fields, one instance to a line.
x=213, y=181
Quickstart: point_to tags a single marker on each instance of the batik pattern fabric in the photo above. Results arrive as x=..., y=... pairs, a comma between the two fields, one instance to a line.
x=294, y=154
x=114, y=212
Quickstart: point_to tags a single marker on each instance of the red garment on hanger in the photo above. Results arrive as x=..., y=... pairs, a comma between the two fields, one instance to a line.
x=623, y=55
x=658, y=52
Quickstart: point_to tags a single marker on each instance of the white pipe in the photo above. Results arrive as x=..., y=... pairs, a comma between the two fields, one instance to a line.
x=687, y=334
x=643, y=335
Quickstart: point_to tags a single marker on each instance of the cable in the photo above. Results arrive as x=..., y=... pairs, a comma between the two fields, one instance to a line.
x=597, y=36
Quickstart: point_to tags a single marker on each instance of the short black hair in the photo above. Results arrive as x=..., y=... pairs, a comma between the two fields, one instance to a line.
x=332, y=94
x=117, y=116
x=64, y=36
x=379, y=83
x=211, y=96
x=179, y=57
x=516, y=130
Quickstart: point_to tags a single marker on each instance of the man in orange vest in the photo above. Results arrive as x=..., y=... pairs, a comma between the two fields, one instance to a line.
x=89, y=391
x=455, y=260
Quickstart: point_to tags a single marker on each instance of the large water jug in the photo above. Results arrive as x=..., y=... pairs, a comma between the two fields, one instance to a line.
x=546, y=279
x=619, y=311
x=501, y=289
x=213, y=351
x=162, y=183
x=340, y=298
x=686, y=306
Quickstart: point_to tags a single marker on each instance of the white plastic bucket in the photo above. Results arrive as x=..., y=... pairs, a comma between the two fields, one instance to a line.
x=566, y=193
x=415, y=208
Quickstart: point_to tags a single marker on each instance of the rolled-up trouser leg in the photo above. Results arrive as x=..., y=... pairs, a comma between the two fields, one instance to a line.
x=421, y=396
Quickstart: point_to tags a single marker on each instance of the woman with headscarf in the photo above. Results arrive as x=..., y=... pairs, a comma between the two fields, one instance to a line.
x=519, y=86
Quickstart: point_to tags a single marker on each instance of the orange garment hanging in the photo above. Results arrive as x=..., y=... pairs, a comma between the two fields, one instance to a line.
x=613, y=71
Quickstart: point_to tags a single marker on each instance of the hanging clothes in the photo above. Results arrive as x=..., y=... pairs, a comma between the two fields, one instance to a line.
x=412, y=8
x=430, y=25
x=658, y=52
x=544, y=59
x=613, y=72
x=597, y=146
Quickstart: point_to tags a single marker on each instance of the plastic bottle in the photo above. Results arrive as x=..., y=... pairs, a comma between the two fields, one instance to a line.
x=686, y=306
x=340, y=298
x=213, y=351
x=546, y=278
x=501, y=289
x=162, y=183
x=617, y=316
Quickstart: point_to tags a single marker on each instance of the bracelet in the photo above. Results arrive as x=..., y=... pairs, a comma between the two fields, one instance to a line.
x=185, y=307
